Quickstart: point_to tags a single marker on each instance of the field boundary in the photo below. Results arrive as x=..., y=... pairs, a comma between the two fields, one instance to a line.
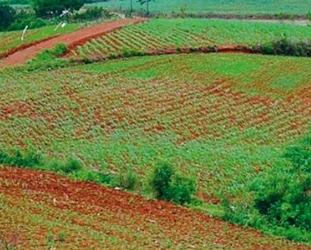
x=242, y=49
x=71, y=40
x=24, y=46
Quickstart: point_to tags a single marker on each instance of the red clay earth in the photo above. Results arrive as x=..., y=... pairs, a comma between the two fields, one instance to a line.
x=42, y=210
x=71, y=40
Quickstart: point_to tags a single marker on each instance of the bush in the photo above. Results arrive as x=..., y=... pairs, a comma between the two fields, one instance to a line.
x=170, y=186
x=7, y=15
x=24, y=19
x=161, y=180
x=17, y=158
x=281, y=197
x=181, y=190
x=92, y=14
x=128, y=181
x=53, y=8
x=287, y=47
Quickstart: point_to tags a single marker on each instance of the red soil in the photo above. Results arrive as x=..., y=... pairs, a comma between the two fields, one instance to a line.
x=41, y=194
x=71, y=40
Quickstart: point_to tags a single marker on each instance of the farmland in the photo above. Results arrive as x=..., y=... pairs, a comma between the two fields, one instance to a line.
x=162, y=34
x=137, y=133
x=11, y=40
x=219, y=118
x=63, y=214
x=217, y=6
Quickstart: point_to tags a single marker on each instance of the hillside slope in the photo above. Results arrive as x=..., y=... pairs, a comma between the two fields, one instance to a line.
x=219, y=118
x=44, y=211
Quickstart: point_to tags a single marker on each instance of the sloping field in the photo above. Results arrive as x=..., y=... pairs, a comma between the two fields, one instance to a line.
x=218, y=6
x=164, y=34
x=12, y=40
x=219, y=118
x=71, y=40
x=45, y=211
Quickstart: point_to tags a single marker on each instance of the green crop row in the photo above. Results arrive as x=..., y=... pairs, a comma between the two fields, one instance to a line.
x=164, y=34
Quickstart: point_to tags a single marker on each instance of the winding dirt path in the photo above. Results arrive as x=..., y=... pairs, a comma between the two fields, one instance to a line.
x=71, y=40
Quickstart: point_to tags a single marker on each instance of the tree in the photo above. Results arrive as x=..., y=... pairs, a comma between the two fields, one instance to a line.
x=51, y=8
x=7, y=16
x=147, y=2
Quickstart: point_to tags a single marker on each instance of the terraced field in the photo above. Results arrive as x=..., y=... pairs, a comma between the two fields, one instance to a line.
x=219, y=118
x=163, y=34
x=45, y=211
x=218, y=6
x=11, y=40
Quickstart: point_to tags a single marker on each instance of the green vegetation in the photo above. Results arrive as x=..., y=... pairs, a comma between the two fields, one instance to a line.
x=92, y=14
x=7, y=14
x=281, y=203
x=47, y=8
x=161, y=34
x=171, y=186
x=49, y=59
x=215, y=6
x=287, y=47
x=245, y=109
x=12, y=40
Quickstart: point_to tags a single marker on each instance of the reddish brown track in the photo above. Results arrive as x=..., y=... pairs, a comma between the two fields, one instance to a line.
x=86, y=207
x=71, y=40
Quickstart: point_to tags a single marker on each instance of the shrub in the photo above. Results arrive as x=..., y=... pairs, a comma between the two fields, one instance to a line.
x=72, y=165
x=17, y=158
x=128, y=181
x=280, y=199
x=287, y=47
x=49, y=8
x=161, y=180
x=92, y=14
x=170, y=186
x=25, y=18
x=7, y=15
x=181, y=190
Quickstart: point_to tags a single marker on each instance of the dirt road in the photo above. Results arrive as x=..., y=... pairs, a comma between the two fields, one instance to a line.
x=71, y=40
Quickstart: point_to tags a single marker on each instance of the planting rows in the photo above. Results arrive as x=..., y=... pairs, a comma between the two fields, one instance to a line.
x=219, y=118
x=45, y=211
x=217, y=6
x=11, y=40
x=163, y=34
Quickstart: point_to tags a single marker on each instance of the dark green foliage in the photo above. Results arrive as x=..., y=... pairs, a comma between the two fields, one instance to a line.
x=287, y=47
x=92, y=14
x=170, y=186
x=161, y=180
x=181, y=190
x=25, y=18
x=147, y=3
x=7, y=16
x=282, y=197
x=48, y=8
